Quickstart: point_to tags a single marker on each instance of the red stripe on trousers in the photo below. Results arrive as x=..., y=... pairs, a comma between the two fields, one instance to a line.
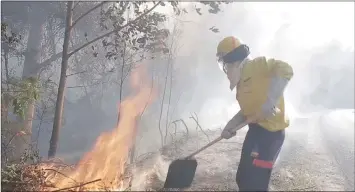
x=263, y=164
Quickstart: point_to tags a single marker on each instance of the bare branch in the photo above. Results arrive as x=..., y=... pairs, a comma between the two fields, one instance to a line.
x=58, y=55
x=198, y=125
x=79, y=86
x=76, y=5
x=187, y=129
x=81, y=185
x=60, y=173
x=113, y=31
x=41, y=117
x=47, y=62
x=89, y=11
x=76, y=73
x=6, y=57
x=176, y=104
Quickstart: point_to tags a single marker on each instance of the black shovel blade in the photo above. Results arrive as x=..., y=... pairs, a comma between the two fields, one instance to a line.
x=181, y=173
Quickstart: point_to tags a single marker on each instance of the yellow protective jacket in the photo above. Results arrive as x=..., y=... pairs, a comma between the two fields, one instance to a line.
x=253, y=87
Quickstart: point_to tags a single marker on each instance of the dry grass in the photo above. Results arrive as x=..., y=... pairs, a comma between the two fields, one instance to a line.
x=22, y=177
x=305, y=164
x=41, y=177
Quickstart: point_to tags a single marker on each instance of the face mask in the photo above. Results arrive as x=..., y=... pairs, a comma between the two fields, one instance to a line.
x=234, y=73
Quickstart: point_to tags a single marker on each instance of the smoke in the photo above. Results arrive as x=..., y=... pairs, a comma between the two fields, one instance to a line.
x=318, y=46
x=317, y=39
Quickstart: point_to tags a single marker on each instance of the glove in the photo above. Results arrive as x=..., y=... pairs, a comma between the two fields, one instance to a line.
x=227, y=134
x=277, y=87
x=228, y=131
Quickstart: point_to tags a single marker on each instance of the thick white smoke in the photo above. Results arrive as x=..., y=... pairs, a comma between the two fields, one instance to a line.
x=317, y=39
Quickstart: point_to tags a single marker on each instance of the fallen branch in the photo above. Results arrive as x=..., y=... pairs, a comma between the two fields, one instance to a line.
x=175, y=126
x=183, y=122
x=81, y=185
x=57, y=161
x=76, y=73
x=61, y=174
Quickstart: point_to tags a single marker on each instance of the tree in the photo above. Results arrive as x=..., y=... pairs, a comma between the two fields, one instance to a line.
x=31, y=21
x=60, y=99
x=170, y=58
x=143, y=31
x=15, y=95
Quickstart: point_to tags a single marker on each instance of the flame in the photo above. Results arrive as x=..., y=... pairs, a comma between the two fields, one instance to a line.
x=105, y=163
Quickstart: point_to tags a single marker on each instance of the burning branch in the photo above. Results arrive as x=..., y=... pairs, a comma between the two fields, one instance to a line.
x=76, y=186
x=56, y=171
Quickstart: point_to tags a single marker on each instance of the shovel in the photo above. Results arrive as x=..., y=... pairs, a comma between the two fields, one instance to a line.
x=182, y=171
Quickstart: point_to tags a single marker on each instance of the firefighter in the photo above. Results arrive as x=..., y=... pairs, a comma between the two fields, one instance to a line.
x=260, y=83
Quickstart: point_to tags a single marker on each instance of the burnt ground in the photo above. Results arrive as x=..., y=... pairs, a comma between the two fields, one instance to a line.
x=315, y=156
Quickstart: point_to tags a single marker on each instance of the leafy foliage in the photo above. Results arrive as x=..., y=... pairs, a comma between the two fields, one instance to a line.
x=24, y=92
x=214, y=29
x=147, y=34
x=22, y=177
x=19, y=92
x=138, y=33
x=140, y=39
x=8, y=37
x=142, y=35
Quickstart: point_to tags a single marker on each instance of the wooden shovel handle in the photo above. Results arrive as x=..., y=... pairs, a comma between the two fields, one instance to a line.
x=220, y=138
x=205, y=147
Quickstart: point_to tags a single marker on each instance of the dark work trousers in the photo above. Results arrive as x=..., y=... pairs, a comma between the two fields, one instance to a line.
x=254, y=172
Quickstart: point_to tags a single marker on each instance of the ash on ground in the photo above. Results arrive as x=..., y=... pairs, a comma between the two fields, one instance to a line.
x=305, y=162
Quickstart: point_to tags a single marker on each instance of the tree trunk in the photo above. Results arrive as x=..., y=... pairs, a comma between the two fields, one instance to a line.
x=62, y=82
x=30, y=69
x=6, y=58
x=162, y=105
x=169, y=101
x=121, y=81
